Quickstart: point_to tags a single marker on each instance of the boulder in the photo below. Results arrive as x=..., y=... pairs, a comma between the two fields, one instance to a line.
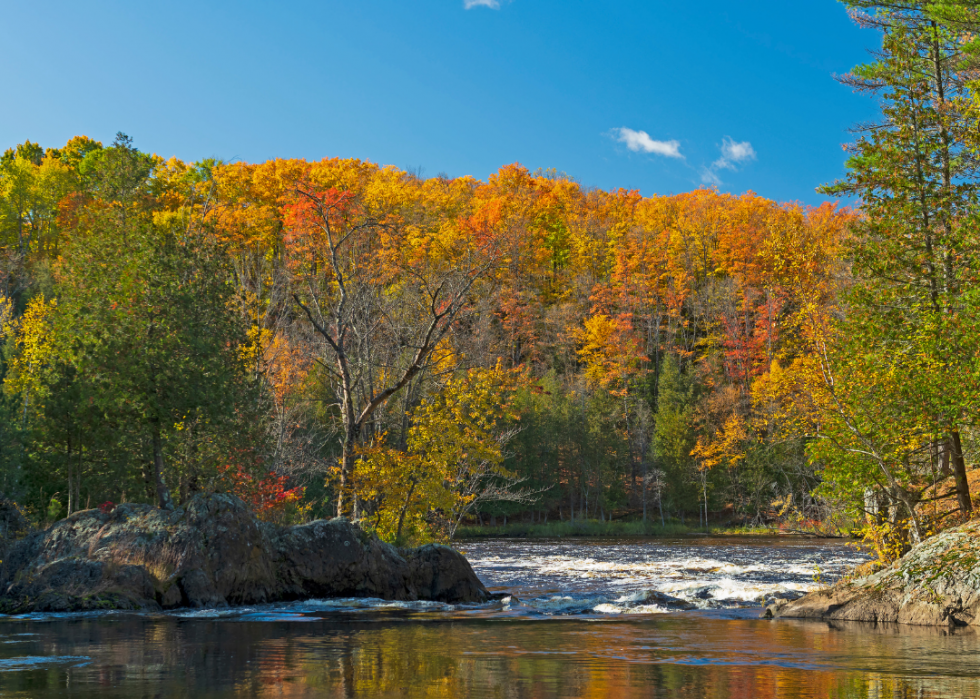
x=937, y=583
x=14, y=526
x=212, y=553
x=438, y=573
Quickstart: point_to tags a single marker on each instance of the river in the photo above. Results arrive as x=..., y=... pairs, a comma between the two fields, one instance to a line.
x=651, y=618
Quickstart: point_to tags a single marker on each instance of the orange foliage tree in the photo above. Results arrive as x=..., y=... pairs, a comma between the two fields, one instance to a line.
x=365, y=291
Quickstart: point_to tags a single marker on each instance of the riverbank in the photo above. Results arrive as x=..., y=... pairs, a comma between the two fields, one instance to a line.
x=597, y=529
x=937, y=583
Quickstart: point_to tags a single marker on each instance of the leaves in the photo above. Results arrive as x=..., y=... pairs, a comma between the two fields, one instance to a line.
x=453, y=457
x=359, y=300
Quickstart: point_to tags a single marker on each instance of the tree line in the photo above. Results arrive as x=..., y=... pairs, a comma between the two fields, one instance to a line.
x=338, y=337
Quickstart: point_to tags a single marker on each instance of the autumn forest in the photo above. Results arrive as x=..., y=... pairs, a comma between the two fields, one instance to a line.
x=423, y=353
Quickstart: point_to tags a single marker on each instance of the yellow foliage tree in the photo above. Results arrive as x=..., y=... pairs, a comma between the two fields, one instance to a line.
x=36, y=352
x=452, y=461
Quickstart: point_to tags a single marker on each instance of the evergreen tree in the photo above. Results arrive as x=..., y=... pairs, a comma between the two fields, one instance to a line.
x=674, y=437
x=144, y=308
x=907, y=330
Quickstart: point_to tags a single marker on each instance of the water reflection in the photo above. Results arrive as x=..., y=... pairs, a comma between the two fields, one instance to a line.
x=680, y=655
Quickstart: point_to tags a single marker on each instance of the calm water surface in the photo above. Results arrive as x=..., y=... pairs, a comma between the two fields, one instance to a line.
x=586, y=619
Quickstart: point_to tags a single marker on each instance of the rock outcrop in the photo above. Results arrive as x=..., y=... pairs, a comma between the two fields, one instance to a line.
x=937, y=583
x=14, y=526
x=213, y=552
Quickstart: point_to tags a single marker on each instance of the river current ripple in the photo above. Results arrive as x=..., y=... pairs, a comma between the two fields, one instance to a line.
x=657, y=576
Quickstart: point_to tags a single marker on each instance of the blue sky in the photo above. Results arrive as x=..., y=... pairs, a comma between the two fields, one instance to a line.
x=654, y=95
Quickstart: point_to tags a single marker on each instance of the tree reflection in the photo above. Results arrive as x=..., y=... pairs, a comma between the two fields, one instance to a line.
x=412, y=655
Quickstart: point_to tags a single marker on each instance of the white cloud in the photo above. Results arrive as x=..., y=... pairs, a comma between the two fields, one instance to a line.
x=492, y=4
x=640, y=142
x=733, y=154
x=736, y=152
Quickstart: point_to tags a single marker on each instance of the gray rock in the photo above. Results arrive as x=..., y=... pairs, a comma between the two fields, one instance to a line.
x=213, y=553
x=937, y=583
x=665, y=600
x=435, y=572
x=14, y=526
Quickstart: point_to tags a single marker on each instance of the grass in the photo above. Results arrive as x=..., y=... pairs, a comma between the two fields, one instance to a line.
x=593, y=528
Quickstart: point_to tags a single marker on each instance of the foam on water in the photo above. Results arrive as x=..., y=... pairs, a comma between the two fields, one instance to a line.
x=656, y=577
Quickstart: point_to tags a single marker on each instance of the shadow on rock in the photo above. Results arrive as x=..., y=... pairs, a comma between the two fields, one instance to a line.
x=214, y=552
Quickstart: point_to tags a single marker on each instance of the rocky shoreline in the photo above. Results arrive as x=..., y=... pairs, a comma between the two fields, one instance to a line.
x=212, y=553
x=936, y=584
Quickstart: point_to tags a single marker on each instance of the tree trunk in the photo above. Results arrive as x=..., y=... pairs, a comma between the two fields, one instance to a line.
x=345, y=498
x=644, y=491
x=959, y=471
x=704, y=483
x=163, y=494
x=401, y=516
x=900, y=496
x=68, y=466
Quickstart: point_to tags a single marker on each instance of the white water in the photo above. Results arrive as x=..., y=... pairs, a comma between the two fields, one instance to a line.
x=656, y=576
